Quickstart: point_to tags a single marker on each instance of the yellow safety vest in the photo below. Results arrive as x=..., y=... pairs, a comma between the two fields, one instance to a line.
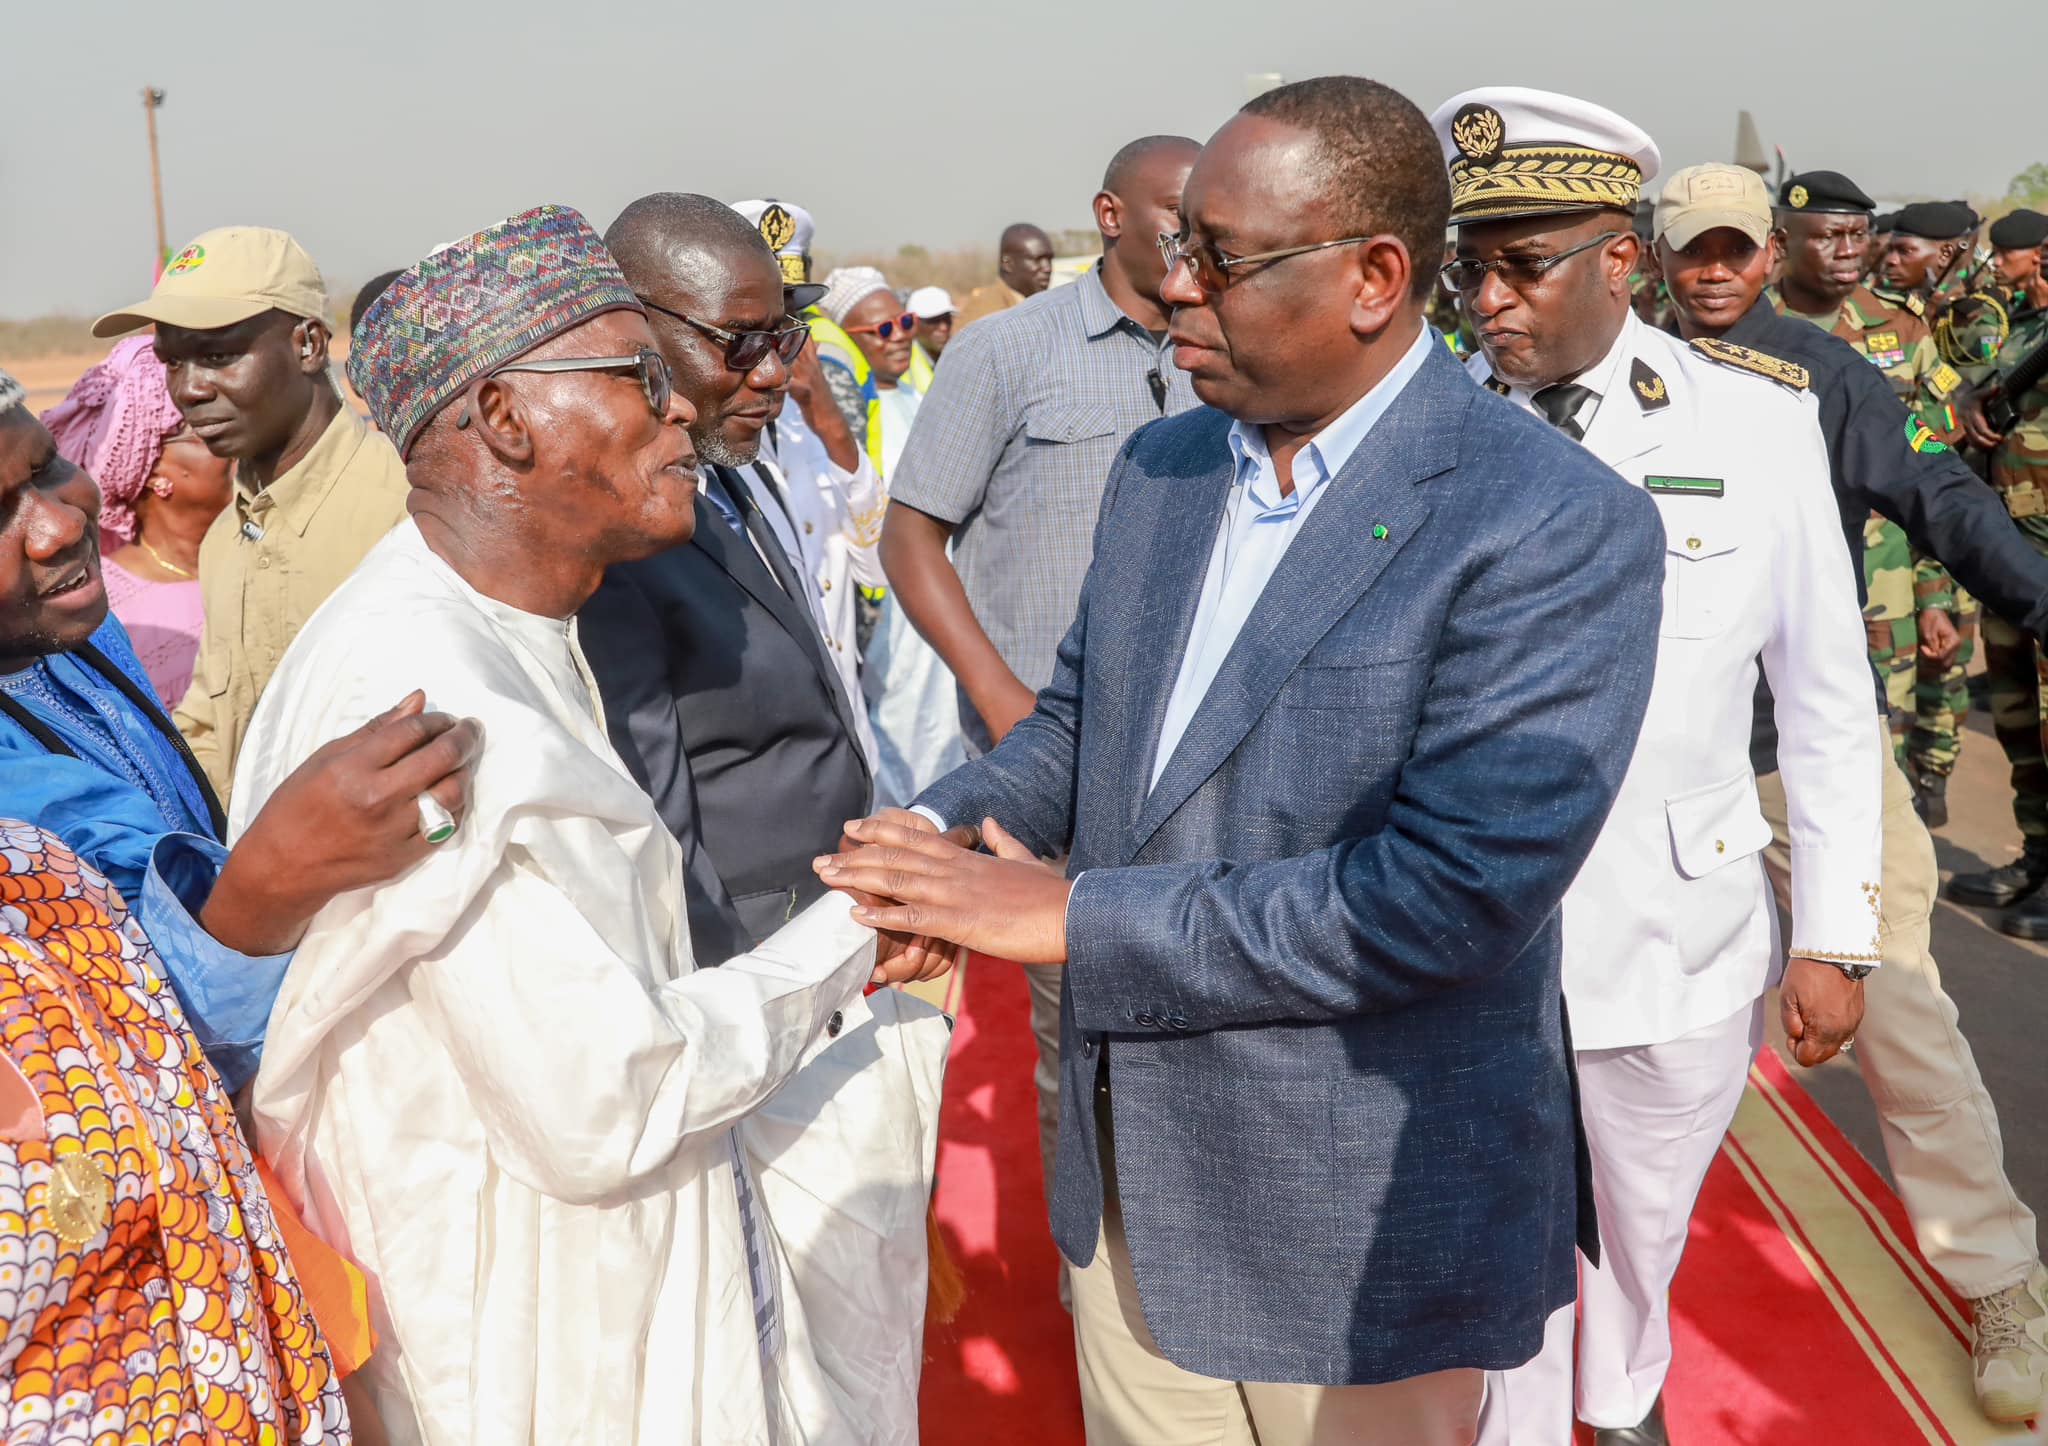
x=828, y=334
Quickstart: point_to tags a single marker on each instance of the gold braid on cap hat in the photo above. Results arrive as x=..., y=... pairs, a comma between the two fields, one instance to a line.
x=1492, y=180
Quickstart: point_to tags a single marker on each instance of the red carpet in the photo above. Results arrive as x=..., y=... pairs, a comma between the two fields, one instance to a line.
x=1802, y=1313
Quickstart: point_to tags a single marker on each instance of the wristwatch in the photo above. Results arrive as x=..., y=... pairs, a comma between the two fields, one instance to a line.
x=1855, y=973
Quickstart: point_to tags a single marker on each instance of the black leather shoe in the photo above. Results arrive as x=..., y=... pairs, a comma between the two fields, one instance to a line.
x=2006, y=884
x=2026, y=920
x=1930, y=799
x=1647, y=1432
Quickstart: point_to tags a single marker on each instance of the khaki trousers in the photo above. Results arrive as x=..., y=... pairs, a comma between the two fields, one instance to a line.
x=1940, y=1129
x=1132, y=1395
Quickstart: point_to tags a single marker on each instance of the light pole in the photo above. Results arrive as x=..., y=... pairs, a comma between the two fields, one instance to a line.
x=151, y=99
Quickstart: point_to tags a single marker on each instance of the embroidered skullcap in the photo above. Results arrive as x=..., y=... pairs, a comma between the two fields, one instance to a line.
x=1824, y=191
x=847, y=287
x=1516, y=152
x=114, y=423
x=12, y=394
x=2016, y=230
x=474, y=305
x=1937, y=220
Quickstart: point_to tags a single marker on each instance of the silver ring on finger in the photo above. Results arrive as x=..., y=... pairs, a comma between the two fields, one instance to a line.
x=437, y=824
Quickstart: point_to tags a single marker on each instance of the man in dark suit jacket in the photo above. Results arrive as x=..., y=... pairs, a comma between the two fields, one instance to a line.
x=1324, y=788
x=709, y=657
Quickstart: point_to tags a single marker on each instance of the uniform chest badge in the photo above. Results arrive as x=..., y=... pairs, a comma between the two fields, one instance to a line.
x=1685, y=486
x=1651, y=394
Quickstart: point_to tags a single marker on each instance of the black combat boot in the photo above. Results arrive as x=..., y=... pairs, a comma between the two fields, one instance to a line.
x=1930, y=798
x=2006, y=884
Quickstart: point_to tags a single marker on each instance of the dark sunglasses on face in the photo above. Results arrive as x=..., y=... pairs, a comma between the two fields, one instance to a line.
x=650, y=370
x=906, y=323
x=745, y=350
x=1517, y=273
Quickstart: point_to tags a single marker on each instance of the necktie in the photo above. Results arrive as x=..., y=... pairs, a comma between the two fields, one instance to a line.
x=1560, y=405
x=763, y=535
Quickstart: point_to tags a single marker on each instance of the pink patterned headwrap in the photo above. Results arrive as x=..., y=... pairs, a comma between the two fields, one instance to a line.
x=113, y=423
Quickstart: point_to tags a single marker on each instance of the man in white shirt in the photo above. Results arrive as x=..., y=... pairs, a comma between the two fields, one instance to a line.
x=499, y=1083
x=1670, y=936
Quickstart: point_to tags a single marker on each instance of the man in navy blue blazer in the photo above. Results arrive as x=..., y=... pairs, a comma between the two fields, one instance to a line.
x=1356, y=673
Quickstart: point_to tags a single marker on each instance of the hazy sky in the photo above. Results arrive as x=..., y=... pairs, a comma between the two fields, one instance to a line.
x=374, y=129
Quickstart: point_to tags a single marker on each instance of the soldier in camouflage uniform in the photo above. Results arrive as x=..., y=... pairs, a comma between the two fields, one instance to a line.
x=1824, y=223
x=1889, y=620
x=2013, y=659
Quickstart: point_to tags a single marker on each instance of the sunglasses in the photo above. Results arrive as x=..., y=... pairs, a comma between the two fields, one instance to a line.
x=1211, y=268
x=906, y=323
x=1517, y=273
x=648, y=367
x=745, y=350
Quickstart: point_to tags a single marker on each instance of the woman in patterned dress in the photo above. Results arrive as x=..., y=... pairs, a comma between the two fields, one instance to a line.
x=145, y=1290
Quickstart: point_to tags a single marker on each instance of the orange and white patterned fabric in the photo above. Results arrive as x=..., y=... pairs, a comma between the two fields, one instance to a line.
x=145, y=1293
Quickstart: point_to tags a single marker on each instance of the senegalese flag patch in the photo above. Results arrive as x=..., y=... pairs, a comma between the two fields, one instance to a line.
x=1921, y=439
x=1685, y=486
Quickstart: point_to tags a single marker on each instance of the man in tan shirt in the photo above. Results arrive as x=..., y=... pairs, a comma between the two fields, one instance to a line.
x=1023, y=269
x=241, y=327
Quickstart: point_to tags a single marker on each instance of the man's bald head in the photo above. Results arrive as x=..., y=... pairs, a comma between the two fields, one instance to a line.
x=678, y=238
x=1024, y=258
x=1130, y=167
x=693, y=256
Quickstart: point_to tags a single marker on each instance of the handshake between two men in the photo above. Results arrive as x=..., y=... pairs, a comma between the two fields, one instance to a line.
x=929, y=894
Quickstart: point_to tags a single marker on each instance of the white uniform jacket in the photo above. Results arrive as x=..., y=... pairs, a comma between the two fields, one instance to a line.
x=1670, y=926
x=838, y=520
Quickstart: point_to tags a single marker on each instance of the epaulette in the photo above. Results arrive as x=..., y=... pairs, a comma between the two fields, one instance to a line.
x=1915, y=304
x=1728, y=354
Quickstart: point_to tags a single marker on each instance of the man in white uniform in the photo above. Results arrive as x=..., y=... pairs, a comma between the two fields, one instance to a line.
x=1670, y=935
x=832, y=490
x=499, y=1083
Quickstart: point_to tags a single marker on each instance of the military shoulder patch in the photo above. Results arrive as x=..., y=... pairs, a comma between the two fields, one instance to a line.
x=1920, y=439
x=1915, y=305
x=1785, y=373
x=1649, y=388
x=1943, y=380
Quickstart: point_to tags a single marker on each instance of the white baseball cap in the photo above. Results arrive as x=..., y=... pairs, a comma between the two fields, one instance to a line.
x=928, y=303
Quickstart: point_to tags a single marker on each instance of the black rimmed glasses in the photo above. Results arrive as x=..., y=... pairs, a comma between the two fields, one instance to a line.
x=1211, y=268
x=1517, y=273
x=745, y=350
x=646, y=364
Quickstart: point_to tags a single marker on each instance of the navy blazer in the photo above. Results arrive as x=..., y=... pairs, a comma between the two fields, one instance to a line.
x=1322, y=954
x=722, y=703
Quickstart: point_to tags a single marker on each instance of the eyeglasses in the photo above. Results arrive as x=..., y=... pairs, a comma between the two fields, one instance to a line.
x=1517, y=273
x=1211, y=268
x=651, y=371
x=745, y=350
x=906, y=323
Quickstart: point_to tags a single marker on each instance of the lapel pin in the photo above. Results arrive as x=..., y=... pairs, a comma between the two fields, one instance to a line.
x=1379, y=529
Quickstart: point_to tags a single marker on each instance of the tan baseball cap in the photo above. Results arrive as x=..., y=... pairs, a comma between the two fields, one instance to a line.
x=227, y=275
x=1699, y=198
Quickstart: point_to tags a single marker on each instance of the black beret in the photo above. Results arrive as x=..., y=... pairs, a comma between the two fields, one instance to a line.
x=1936, y=220
x=1823, y=191
x=1883, y=222
x=2016, y=230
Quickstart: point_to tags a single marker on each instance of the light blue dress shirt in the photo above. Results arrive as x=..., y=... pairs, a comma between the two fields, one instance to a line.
x=1258, y=526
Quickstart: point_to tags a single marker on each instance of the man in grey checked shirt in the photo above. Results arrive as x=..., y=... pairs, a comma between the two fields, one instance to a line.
x=1008, y=460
